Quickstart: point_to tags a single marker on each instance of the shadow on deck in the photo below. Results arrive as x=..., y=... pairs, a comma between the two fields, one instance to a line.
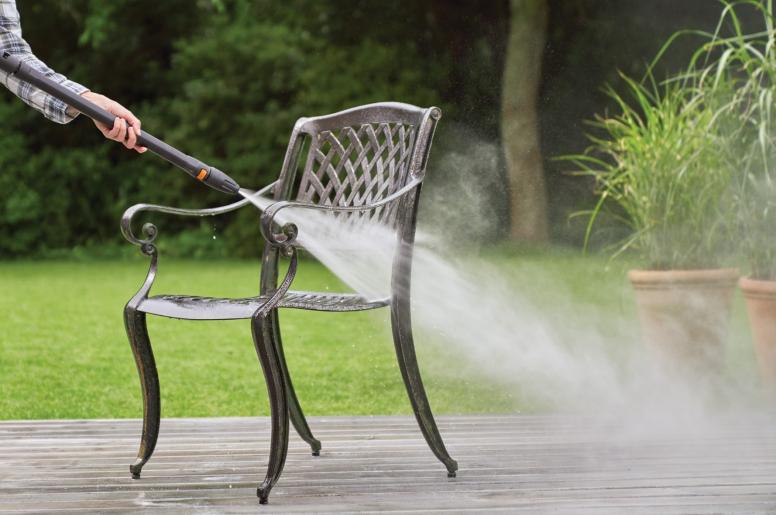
x=521, y=463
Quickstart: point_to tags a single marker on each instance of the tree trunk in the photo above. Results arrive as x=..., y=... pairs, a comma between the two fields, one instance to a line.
x=520, y=123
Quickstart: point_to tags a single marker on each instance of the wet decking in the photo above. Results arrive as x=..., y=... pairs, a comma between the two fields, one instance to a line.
x=521, y=463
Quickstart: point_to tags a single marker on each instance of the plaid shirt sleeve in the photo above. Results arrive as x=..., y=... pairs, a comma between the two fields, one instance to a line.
x=11, y=41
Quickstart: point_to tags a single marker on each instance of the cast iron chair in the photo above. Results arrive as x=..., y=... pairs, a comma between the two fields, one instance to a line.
x=368, y=159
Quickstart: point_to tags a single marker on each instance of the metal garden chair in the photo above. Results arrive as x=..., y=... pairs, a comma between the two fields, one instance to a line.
x=366, y=159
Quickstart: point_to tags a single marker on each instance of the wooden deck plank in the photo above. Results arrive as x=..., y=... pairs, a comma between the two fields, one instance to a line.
x=522, y=463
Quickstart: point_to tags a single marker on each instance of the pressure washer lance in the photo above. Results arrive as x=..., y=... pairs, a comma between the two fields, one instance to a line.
x=209, y=175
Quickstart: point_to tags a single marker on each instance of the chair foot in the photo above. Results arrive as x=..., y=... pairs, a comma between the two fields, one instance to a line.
x=263, y=498
x=452, y=467
x=317, y=453
x=136, y=468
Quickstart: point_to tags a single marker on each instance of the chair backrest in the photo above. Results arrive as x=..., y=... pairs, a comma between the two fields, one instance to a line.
x=356, y=157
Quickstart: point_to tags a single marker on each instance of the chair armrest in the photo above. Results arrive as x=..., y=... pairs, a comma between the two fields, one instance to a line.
x=149, y=229
x=288, y=232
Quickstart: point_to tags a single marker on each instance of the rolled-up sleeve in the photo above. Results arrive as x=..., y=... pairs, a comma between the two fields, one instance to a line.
x=11, y=41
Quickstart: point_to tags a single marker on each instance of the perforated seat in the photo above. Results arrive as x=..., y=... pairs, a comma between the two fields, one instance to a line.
x=210, y=308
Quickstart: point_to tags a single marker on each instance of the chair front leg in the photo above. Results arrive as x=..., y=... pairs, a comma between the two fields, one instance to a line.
x=137, y=331
x=276, y=388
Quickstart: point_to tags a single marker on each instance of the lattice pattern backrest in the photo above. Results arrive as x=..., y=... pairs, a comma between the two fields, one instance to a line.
x=358, y=157
x=357, y=165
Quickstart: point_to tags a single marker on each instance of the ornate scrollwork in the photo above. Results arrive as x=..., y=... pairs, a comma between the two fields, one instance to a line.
x=149, y=231
x=290, y=232
x=277, y=234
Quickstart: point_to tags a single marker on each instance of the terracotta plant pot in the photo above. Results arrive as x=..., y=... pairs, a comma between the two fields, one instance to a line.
x=761, y=304
x=685, y=315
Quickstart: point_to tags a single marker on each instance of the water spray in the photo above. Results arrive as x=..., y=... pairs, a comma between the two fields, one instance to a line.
x=200, y=171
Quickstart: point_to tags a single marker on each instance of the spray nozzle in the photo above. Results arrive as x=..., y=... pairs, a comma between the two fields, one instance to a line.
x=218, y=180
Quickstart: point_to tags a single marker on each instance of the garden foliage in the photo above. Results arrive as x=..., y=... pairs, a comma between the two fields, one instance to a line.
x=222, y=80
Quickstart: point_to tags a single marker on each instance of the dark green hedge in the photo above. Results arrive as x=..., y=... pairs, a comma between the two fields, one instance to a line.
x=225, y=79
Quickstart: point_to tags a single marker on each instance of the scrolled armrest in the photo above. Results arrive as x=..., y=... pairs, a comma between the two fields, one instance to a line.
x=149, y=230
x=288, y=232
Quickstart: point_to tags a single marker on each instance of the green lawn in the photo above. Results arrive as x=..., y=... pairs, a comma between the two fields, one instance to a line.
x=64, y=354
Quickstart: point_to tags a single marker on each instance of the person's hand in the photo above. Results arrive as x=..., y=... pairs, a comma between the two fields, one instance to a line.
x=126, y=127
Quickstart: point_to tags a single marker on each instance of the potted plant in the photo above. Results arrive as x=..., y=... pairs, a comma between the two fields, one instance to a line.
x=659, y=167
x=744, y=71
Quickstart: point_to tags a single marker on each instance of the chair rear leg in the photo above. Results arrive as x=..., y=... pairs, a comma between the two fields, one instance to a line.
x=294, y=408
x=408, y=364
x=274, y=376
x=137, y=331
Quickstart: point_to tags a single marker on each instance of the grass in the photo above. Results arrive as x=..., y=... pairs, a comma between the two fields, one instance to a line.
x=64, y=354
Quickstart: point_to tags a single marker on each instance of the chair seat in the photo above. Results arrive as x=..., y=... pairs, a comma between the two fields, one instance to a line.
x=209, y=308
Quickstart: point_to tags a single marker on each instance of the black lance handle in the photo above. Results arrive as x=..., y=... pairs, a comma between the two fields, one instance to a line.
x=209, y=175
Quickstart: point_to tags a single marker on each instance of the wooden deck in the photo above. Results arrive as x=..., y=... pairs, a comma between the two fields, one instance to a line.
x=528, y=464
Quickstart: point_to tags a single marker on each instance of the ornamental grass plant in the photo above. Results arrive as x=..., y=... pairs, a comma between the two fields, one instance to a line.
x=741, y=68
x=660, y=168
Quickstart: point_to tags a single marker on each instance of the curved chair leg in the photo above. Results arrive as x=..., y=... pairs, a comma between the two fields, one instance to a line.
x=408, y=363
x=294, y=408
x=273, y=374
x=137, y=331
